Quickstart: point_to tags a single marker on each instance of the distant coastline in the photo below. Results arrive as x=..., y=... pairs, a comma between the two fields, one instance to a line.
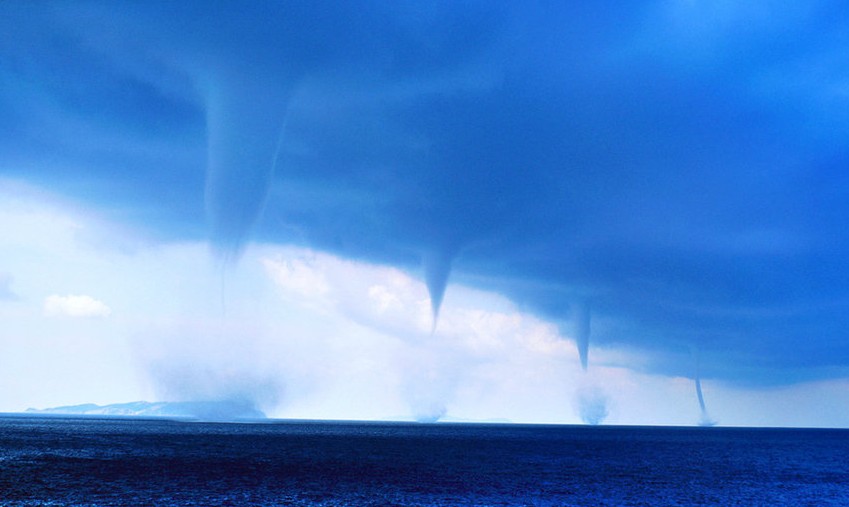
x=218, y=411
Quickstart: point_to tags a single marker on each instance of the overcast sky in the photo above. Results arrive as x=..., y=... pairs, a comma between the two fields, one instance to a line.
x=533, y=212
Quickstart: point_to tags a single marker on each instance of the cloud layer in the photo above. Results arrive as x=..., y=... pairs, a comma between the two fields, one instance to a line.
x=680, y=165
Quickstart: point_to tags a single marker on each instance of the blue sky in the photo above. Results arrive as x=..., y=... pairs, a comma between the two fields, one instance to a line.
x=274, y=201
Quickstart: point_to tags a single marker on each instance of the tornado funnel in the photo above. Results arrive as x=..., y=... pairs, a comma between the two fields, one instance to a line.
x=244, y=128
x=437, y=269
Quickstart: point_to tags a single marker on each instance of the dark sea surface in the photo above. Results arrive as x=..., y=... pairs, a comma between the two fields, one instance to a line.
x=87, y=461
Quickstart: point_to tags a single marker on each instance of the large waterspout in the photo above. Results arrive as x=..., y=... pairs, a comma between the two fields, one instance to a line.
x=244, y=128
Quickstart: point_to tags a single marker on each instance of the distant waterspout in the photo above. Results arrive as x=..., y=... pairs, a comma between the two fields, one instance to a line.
x=704, y=419
x=582, y=332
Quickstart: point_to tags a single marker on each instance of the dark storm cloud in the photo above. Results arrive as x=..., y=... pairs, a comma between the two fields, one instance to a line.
x=680, y=164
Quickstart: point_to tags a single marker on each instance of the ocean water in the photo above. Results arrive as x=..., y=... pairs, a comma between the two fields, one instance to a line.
x=85, y=461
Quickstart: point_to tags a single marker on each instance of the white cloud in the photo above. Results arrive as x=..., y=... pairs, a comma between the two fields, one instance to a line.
x=393, y=302
x=298, y=275
x=75, y=306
